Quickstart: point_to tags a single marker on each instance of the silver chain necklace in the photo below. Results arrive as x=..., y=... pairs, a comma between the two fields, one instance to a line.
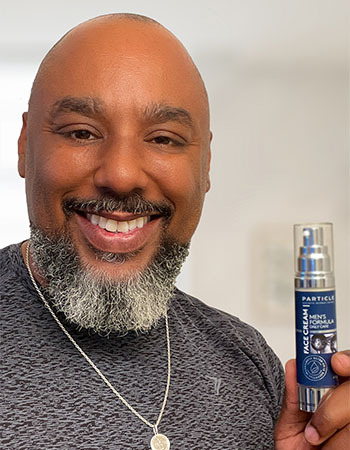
x=158, y=441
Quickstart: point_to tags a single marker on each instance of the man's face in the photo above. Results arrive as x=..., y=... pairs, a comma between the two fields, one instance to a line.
x=116, y=114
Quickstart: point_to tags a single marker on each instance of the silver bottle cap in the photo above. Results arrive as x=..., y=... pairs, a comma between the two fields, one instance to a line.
x=313, y=255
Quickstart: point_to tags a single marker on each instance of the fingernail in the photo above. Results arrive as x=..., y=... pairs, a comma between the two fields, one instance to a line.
x=311, y=434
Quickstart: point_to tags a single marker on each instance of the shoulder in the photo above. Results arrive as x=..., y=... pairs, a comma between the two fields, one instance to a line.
x=9, y=258
x=245, y=347
x=12, y=269
x=224, y=323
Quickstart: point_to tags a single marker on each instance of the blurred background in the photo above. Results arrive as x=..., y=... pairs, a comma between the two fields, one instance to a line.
x=277, y=74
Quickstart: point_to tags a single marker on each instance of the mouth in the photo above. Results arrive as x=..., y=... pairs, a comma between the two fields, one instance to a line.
x=118, y=226
x=118, y=232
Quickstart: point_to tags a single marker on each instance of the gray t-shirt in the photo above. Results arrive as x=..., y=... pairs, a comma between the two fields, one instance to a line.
x=226, y=383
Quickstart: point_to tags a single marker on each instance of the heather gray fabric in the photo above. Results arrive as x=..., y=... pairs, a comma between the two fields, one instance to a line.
x=225, y=392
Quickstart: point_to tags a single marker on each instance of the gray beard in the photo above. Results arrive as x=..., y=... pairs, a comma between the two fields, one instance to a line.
x=92, y=300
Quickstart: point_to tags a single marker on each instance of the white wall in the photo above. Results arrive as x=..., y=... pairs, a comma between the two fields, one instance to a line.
x=278, y=80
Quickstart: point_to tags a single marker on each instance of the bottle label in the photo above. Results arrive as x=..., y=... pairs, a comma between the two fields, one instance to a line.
x=316, y=337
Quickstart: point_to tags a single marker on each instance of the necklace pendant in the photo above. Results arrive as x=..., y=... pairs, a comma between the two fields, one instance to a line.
x=160, y=442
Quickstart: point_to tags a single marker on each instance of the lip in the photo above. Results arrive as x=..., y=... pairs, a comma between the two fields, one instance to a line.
x=110, y=242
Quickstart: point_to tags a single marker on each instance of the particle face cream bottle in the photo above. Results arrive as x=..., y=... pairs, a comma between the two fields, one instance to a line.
x=316, y=334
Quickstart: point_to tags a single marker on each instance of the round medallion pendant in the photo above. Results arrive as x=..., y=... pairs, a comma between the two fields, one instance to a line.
x=160, y=442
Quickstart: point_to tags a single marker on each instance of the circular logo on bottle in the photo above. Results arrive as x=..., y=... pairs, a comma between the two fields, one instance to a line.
x=314, y=368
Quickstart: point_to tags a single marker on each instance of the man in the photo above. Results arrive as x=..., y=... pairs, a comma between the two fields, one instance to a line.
x=115, y=150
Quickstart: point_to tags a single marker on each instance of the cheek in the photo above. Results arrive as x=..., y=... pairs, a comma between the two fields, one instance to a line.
x=184, y=186
x=51, y=174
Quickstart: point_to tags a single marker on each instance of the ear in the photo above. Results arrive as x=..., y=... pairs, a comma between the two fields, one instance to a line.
x=22, y=146
x=208, y=164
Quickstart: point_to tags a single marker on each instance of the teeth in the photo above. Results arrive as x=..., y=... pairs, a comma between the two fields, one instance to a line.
x=123, y=227
x=140, y=222
x=118, y=227
x=102, y=222
x=132, y=224
x=111, y=225
x=94, y=219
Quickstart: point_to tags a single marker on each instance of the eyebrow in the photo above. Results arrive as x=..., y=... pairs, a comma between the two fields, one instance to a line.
x=90, y=106
x=161, y=113
x=87, y=106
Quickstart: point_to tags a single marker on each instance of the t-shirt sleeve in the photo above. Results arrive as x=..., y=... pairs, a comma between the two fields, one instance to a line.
x=273, y=374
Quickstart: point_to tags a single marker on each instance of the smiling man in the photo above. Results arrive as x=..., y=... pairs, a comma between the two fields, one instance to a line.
x=101, y=351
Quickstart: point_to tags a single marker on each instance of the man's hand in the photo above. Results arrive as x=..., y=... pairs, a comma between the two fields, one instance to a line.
x=329, y=427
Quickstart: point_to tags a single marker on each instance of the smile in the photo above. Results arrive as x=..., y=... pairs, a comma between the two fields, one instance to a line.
x=115, y=226
x=124, y=233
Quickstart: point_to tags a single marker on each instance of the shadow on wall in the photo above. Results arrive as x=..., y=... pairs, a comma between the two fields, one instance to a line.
x=272, y=274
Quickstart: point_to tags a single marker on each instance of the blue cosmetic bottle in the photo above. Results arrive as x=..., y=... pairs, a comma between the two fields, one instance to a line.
x=316, y=333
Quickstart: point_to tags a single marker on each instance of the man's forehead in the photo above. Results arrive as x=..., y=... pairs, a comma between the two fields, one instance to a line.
x=106, y=59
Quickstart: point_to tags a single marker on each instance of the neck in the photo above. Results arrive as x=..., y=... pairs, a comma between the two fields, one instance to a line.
x=25, y=251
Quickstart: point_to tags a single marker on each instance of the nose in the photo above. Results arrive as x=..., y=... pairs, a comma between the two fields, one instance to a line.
x=121, y=168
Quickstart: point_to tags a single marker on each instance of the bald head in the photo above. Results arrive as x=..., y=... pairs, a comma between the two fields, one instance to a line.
x=125, y=28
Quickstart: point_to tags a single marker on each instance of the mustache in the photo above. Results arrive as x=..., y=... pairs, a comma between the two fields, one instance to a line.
x=133, y=204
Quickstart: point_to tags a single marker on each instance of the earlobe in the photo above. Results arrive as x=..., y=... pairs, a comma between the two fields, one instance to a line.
x=22, y=146
x=208, y=184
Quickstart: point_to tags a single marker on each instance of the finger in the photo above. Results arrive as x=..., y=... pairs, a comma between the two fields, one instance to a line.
x=291, y=394
x=340, y=441
x=291, y=420
x=341, y=363
x=332, y=414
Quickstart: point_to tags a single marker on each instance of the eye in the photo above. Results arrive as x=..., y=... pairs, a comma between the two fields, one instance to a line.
x=167, y=141
x=82, y=135
x=163, y=140
x=79, y=135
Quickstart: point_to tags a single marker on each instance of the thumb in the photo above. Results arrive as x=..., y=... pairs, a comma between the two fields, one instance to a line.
x=291, y=420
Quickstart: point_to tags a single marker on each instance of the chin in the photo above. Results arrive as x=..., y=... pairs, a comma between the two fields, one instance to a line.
x=116, y=266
